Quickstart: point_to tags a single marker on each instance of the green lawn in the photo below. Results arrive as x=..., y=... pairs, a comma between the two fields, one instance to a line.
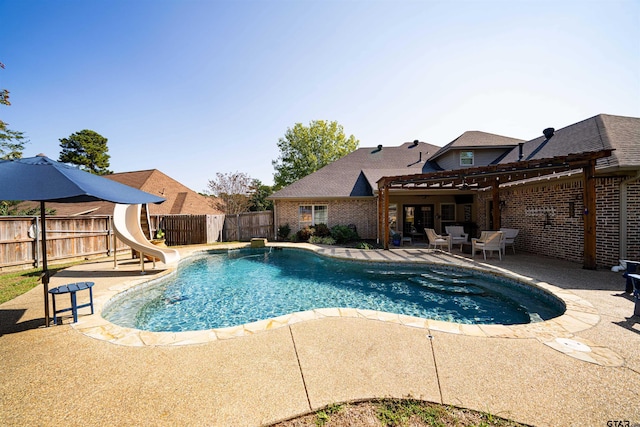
x=17, y=283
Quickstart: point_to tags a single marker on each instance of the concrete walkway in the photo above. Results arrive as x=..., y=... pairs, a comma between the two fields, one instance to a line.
x=62, y=374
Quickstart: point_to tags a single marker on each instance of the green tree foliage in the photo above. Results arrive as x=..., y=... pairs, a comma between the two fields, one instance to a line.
x=11, y=142
x=11, y=146
x=11, y=208
x=305, y=149
x=259, y=194
x=232, y=192
x=87, y=149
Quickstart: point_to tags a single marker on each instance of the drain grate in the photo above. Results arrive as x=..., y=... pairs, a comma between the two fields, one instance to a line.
x=573, y=344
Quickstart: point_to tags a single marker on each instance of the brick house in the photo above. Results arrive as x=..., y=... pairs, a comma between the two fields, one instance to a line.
x=547, y=210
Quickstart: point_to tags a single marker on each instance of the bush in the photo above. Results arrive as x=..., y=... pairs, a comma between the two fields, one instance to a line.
x=322, y=240
x=364, y=245
x=343, y=234
x=305, y=234
x=283, y=232
x=322, y=230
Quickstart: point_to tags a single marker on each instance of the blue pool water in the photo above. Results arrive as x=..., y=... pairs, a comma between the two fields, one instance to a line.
x=242, y=286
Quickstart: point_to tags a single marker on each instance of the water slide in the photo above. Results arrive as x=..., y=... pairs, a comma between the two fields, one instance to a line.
x=126, y=224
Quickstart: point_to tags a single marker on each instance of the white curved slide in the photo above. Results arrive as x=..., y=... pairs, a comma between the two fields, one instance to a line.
x=126, y=224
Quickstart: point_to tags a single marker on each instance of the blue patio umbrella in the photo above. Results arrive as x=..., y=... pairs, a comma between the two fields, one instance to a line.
x=42, y=179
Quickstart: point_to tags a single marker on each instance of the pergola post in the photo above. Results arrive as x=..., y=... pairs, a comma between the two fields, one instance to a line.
x=383, y=213
x=589, y=217
x=495, y=194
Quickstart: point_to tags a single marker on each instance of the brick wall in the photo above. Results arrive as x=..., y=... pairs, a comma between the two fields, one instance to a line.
x=549, y=216
x=361, y=212
x=633, y=221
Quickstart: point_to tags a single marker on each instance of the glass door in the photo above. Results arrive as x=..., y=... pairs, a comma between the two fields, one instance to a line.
x=416, y=218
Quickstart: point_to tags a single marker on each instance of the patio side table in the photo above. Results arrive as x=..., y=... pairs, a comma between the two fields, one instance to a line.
x=71, y=289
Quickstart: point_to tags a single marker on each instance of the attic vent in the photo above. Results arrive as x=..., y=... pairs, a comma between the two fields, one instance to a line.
x=415, y=142
x=548, y=132
x=379, y=147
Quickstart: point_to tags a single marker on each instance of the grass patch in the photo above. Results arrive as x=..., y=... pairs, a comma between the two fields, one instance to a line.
x=324, y=415
x=15, y=283
x=397, y=413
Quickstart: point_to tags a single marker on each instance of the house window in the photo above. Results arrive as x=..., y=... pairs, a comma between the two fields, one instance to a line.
x=466, y=158
x=309, y=215
x=448, y=212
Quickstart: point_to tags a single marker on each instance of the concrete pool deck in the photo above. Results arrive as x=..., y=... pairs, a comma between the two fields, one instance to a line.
x=584, y=370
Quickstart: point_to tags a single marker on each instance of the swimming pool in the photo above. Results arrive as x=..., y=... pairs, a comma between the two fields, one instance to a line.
x=224, y=289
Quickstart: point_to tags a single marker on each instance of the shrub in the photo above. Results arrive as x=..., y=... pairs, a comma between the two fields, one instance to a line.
x=283, y=232
x=343, y=234
x=328, y=240
x=305, y=234
x=315, y=240
x=322, y=240
x=322, y=230
x=364, y=245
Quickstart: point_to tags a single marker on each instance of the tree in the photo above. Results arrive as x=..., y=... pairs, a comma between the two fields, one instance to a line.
x=11, y=142
x=10, y=208
x=11, y=145
x=259, y=193
x=304, y=150
x=232, y=192
x=88, y=149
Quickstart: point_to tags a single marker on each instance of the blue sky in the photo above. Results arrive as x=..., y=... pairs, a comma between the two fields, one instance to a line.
x=195, y=87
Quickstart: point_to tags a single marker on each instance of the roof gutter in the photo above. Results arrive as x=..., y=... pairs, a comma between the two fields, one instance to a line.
x=624, y=215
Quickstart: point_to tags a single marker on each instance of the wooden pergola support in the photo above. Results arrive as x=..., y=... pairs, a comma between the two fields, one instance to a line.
x=383, y=215
x=589, y=217
x=495, y=195
x=511, y=172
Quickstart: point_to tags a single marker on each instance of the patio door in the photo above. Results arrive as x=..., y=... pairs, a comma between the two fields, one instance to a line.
x=417, y=216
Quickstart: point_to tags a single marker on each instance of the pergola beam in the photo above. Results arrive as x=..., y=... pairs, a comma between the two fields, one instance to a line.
x=589, y=222
x=494, y=175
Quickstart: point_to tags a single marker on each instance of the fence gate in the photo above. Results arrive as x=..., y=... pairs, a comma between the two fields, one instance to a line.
x=245, y=226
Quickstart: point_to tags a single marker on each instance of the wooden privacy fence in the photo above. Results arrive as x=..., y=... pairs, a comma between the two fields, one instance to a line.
x=245, y=226
x=189, y=229
x=82, y=236
x=67, y=237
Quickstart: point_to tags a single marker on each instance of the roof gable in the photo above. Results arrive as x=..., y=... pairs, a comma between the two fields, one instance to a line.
x=477, y=140
x=601, y=132
x=355, y=174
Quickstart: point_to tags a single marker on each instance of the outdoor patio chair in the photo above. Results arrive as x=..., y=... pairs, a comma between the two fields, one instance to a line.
x=631, y=267
x=402, y=239
x=458, y=236
x=436, y=240
x=489, y=241
x=510, y=235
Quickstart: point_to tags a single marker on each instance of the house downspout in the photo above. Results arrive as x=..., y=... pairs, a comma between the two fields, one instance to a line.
x=624, y=214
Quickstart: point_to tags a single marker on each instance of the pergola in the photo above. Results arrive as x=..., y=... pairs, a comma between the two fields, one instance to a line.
x=492, y=176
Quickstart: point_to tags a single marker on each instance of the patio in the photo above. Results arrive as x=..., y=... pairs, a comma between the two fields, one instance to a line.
x=61, y=375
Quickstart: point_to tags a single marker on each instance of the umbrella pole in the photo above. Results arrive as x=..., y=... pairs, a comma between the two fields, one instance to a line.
x=45, y=270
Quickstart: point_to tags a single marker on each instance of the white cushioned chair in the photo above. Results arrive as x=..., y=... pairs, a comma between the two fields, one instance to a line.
x=458, y=236
x=510, y=235
x=489, y=241
x=437, y=240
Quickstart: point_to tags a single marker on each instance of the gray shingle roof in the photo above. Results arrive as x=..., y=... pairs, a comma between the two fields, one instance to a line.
x=477, y=139
x=356, y=174
x=594, y=134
